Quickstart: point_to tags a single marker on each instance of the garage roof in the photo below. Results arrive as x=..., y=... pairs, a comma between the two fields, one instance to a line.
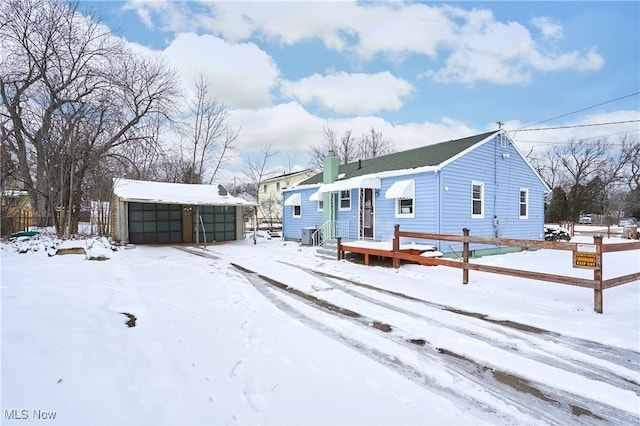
x=175, y=193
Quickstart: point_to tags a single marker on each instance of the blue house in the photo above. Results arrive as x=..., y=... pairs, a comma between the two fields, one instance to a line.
x=481, y=182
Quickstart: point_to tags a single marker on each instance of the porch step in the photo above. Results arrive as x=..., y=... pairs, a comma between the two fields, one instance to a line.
x=329, y=249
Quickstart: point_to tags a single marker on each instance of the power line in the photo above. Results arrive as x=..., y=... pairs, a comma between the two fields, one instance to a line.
x=584, y=138
x=576, y=125
x=580, y=110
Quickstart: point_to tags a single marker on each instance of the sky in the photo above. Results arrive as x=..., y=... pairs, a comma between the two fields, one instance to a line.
x=212, y=344
x=418, y=72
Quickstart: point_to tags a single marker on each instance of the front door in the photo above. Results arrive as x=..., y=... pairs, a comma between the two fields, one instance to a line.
x=366, y=213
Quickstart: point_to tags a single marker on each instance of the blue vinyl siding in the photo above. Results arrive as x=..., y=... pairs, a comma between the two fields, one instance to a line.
x=425, y=207
x=502, y=176
x=309, y=214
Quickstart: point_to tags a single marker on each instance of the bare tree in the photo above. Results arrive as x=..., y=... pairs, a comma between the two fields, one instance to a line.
x=348, y=148
x=72, y=93
x=630, y=153
x=548, y=165
x=211, y=140
x=582, y=159
x=372, y=145
x=256, y=168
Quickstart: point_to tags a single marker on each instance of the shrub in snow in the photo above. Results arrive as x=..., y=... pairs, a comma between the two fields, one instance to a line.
x=556, y=234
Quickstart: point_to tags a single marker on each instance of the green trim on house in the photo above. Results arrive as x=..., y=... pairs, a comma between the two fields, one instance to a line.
x=483, y=252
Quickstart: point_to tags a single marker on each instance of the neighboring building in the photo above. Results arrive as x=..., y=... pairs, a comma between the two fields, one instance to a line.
x=15, y=213
x=480, y=182
x=156, y=212
x=270, y=194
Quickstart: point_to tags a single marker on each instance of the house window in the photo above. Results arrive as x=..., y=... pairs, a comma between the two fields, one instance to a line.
x=345, y=200
x=297, y=211
x=477, y=200
x=264, y=188
x=404, y=207
x=277, y=186
x=503, y=141
x=320, y=205
x=523, y=204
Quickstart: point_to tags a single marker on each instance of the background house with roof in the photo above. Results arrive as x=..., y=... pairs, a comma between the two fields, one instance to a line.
x=270, y=194
x=145, y=212
x=481, y=182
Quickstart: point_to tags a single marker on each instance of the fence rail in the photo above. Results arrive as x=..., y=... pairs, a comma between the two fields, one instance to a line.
x=597, y=283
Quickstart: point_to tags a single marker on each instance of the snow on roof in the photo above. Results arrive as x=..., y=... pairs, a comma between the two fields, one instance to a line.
x=175, y=193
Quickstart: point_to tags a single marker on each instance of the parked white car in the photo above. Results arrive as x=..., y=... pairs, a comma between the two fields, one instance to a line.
x=585, y=220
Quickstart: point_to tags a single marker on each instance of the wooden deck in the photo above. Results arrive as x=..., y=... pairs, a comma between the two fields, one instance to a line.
x=384, y=249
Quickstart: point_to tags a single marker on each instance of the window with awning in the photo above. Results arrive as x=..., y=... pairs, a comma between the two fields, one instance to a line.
x=316, y=196
x=352, y=183
x=293, y=200
x=403, y=191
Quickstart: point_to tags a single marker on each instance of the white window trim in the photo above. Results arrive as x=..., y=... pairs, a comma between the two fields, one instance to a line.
x=526, y=202
x=411, y=215
x=340, y=208
x=481, y=184
x=320, y=205
x=293, y=211
x=400, y=215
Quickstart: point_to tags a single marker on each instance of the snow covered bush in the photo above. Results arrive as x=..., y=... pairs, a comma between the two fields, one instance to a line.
x=556, y=234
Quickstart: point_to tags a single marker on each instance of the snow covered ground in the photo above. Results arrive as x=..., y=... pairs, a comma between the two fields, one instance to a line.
x=272, y=334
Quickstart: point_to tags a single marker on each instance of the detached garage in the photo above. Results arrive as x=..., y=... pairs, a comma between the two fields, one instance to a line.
x=145, y=212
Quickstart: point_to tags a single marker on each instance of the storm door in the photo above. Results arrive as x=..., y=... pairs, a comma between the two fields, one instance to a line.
x=366, y=211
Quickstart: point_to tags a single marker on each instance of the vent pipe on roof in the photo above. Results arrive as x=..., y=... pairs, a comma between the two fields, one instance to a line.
x=359, y=164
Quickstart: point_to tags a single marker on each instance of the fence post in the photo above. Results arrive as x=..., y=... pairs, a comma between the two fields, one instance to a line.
x=465, y=257
x=339, y=248
x=597, y=275
x=396, y=245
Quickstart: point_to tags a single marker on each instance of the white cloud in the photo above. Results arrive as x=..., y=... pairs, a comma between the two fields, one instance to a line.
x=350, y=93
x=488, y=50
x=549, y=28
x=241, y=75
x=284, y=126
x=474, y=45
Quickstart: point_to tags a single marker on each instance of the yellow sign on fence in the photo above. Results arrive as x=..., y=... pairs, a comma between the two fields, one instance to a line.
x=585, y=256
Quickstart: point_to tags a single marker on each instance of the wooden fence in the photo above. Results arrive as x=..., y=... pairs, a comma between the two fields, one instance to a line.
x=13, y=220
x=590, y=260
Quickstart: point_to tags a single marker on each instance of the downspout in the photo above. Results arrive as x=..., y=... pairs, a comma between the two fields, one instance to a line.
x=197, y=227
x=439, y=190
x=495, y=186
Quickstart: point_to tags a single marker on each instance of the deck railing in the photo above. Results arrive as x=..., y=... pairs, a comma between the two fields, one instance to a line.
x=592, y=259
x=330, y=230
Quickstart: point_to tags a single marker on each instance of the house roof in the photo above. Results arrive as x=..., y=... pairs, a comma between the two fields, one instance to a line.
x=287, y=175
x=174, y=193
x=430, y=155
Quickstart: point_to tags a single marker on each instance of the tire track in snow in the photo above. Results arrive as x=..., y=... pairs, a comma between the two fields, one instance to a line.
x=529, y=344
x=497, y=396
x=391, y=361
x=542, y=404
x=623, y=357
x=557, y=401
